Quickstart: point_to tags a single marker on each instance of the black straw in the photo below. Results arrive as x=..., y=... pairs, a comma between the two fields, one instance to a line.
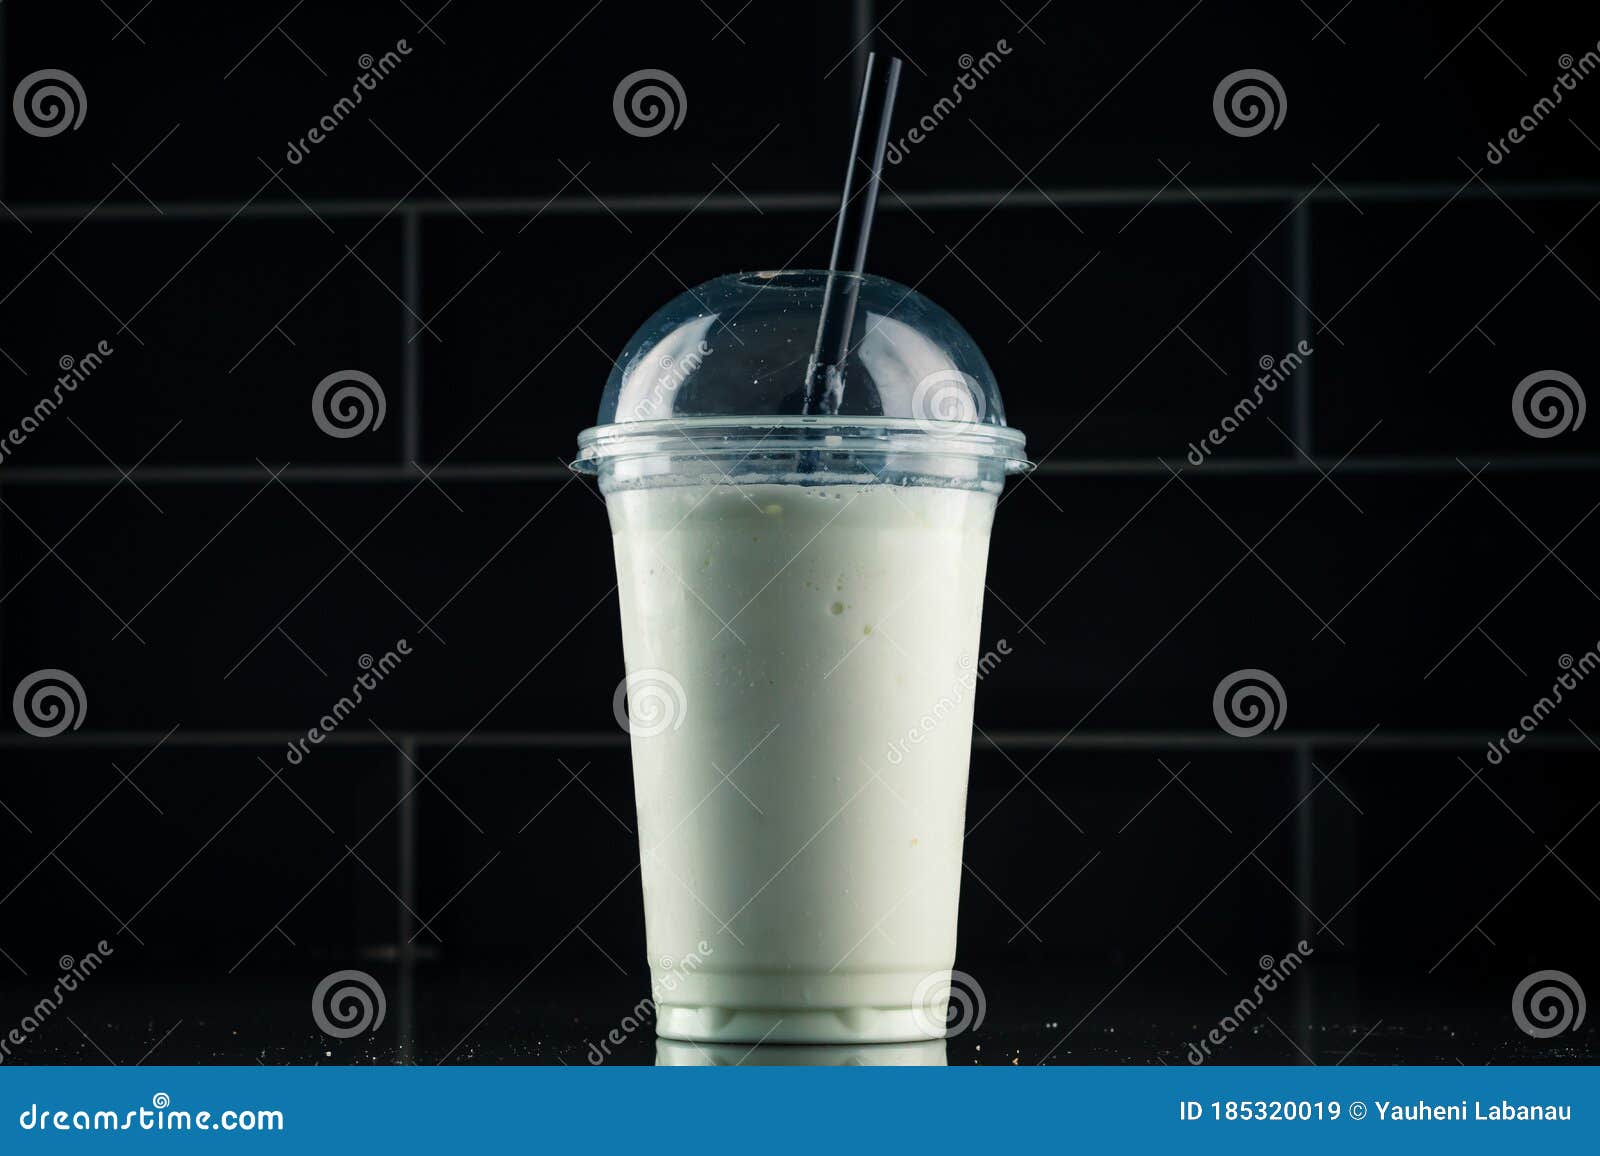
x=825, y=374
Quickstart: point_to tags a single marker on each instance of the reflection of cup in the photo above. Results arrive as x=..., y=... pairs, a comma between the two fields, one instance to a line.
x=801, y=601
x=687, y=1054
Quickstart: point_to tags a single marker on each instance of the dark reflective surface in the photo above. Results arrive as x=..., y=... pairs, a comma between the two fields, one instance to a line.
x=501, y=1015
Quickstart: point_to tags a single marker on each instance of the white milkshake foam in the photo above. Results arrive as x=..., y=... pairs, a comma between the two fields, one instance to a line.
x=802, y=818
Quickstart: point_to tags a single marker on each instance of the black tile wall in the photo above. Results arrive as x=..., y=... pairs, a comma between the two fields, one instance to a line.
x=1440, y=879
x=1106, y=101
x=524, y=347
x=221, y=317
x=1372, y=603
x=129, y=845
x=1033, y=277
x=512, y=368
x=502, y=126
x=1435, y=358
x=286, y=614
x=1124, y=323
x=547, y=836
x=1122, y=821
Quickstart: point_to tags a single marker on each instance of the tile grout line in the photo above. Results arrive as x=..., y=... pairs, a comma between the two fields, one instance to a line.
x=810, y=201
x=406, y=841
x=411, y=347
x=1304, y=881
x=994, y=739
x=1301, y=400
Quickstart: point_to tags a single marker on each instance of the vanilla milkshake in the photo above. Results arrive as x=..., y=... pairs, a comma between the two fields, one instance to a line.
x=801, y=587
x=801, y=811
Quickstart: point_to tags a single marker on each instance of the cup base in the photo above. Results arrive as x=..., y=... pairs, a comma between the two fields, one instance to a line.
x=704, y=1023
x=920, y=1054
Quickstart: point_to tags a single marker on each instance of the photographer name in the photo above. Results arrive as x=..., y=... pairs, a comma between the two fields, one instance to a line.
x=1477, y=1110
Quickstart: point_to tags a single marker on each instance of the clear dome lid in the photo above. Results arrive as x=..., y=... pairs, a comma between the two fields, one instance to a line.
x=727, y=363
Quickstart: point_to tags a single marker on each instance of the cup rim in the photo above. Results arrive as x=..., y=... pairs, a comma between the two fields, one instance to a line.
x=733, y=435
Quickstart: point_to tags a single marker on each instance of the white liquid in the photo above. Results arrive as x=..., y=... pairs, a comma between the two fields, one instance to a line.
x=824, y=640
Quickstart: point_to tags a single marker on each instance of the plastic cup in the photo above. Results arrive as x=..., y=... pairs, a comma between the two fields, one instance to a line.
x=801, y=603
